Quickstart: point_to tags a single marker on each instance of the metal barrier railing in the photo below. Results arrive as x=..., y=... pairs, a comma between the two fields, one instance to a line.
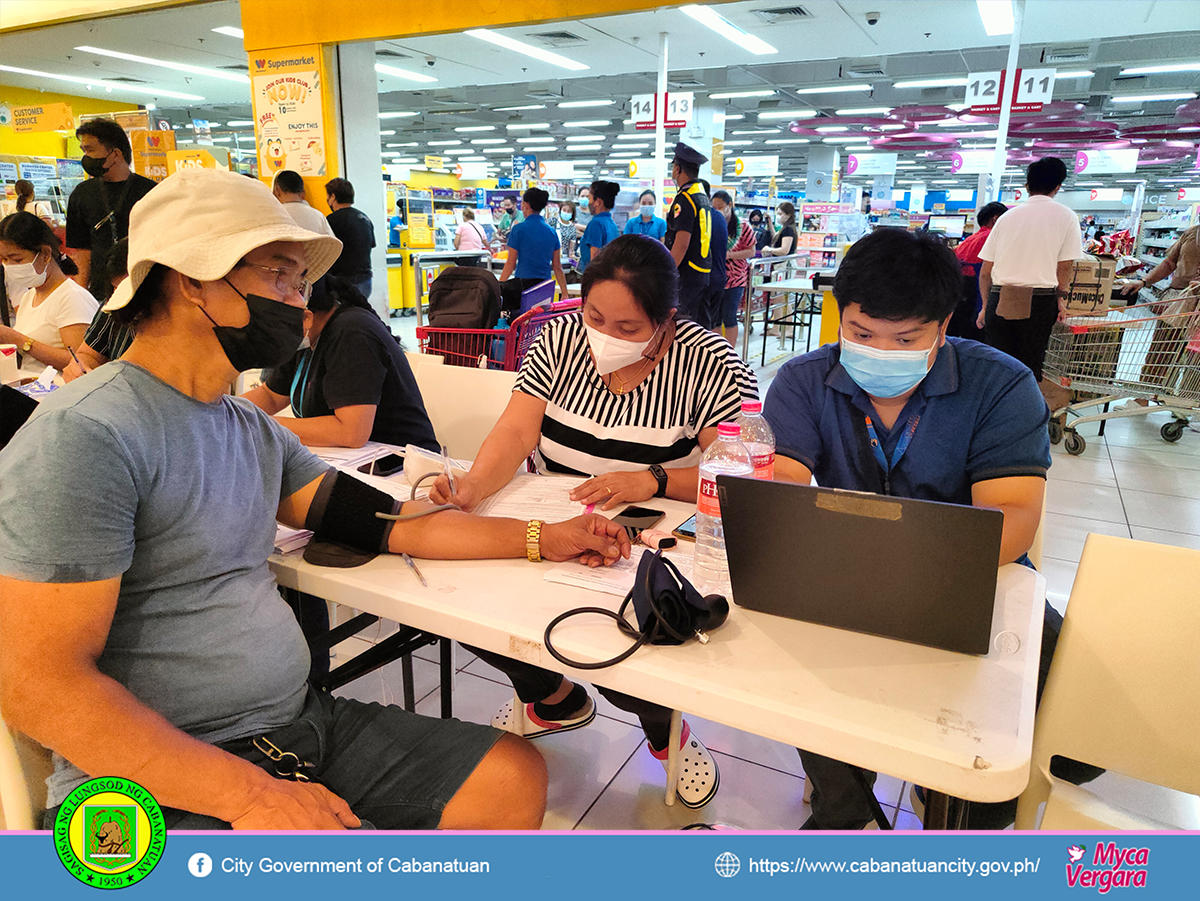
x=787, y=312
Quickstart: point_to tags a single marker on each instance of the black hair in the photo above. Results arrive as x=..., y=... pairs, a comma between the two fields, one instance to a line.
x=289, y=182
x=1046, y=174
x=606, y=192
x=30, y=233
x=990, y=213
x=691, y=170
x=644, y=266
x=108, y=133
x=342, y=190
x=149, y=294
x=895, y=274
x=117, y=263
x=653, y=196
x=536, y=198
x=24, y=193
x=726, y=198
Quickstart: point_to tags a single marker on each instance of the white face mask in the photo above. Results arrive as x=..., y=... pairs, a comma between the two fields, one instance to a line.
x=611, y=353
x=20, y=277
x=647, y=210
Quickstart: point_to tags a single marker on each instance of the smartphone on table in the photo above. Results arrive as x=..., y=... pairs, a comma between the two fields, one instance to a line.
x=384, y=466
x=635, y=519
x=686, y=531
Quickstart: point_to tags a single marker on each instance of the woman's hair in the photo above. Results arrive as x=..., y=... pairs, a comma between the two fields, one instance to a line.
x=726, y=198
x=648, y=193
x=148, y=295
x=606, y=192
x=468, y=214
x=536, y=198
x=30, y=233
x=645, y=267
x=117, y=264
x=24, y=193
x=788, y=210
x=330, y=290
x=567, y=203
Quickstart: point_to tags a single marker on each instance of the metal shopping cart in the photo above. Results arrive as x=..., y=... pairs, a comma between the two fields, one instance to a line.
x=499, y=348
x=1147, y=351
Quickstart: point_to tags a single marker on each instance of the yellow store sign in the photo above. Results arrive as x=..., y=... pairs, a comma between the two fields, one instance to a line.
x=47, y=117
x=189, y=159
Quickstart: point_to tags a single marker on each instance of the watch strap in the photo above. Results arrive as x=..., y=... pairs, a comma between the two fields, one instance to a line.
x=533, y=541
x=660, y=476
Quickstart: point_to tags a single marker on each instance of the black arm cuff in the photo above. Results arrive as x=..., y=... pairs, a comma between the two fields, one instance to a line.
x=343, y=510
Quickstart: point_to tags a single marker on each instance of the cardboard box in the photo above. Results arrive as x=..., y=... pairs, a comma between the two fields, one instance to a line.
x=1091, y=286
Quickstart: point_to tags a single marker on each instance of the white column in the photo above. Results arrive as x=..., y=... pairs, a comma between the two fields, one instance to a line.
x=1000, y=160
x=823, y=161
x=361, y=163
x=659, y=169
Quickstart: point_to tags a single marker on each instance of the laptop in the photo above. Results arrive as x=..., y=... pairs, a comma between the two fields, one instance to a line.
x=914, y=570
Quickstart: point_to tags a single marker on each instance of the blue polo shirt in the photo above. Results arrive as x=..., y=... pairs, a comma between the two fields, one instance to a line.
x=655, y=228
x=981, y=417
x=535, y=242
x=599, y=232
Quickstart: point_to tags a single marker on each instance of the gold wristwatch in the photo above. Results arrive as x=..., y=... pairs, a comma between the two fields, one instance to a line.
x=27, y=346
x=533, y=541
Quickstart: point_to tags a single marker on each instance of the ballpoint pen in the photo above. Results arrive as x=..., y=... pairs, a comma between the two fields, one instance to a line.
x=413, y=567
x=75, y=358
x=447, y=471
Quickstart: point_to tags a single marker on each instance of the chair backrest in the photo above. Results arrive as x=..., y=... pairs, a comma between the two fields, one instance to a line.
x=542, y=292
x=24, y=766
x=1124, y=687
x=464, y=404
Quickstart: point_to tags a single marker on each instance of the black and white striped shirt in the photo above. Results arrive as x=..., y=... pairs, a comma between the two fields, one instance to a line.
x=589, y=430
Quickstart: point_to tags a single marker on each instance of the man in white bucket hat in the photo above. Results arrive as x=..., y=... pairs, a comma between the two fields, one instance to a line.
x=143, y=636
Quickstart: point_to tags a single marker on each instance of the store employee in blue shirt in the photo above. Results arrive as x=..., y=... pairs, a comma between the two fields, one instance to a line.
x=898, y=408
x=600, y=229
x=647, y=223
x=533, y=252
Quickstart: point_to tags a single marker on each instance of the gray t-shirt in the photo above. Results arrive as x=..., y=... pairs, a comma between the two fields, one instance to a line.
x=119, y=474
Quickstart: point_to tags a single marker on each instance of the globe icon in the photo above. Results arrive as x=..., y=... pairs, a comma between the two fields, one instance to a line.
x=728, y=864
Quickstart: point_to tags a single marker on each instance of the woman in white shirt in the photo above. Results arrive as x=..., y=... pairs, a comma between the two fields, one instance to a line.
x=53, y=312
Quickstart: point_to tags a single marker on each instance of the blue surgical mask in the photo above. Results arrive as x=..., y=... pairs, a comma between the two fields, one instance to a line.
x=884, y=373
x=647, y=210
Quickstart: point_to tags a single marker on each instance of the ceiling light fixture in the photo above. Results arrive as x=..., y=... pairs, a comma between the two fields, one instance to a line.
x=997, y=16
x=831, y=128
x=787, y=114
x=736, y=95
x=495, y=140
x=444, y=143
x=759, y=131
x=585, y=123
x=789, y=141
x=933, y=83
x=1082, y=73
x=1151, y=98
x=729, y=117
x=525, y=141
x=499, y=150
x=864, y=111
x=507, y=109
x=728, y=30
x=462, y=129
x=235, y=123
x=100, y=83
x=1154, y=70
x=545, y=56
x=230, y=31
x=404, y=73
x=164, y=64
x=833, y=89
x=398, y=115
x=580, y=104
x=586, y=147
x=528, y=126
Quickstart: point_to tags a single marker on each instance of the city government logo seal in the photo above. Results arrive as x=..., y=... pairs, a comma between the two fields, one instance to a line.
x=109, y=833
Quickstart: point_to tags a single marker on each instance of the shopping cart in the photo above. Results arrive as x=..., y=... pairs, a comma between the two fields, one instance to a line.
x=1147, y=351
x=499, y=348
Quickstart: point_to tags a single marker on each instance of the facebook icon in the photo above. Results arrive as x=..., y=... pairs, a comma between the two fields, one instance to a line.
x=200, y=865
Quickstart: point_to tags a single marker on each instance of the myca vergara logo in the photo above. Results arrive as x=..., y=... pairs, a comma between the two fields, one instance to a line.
x=1110, y=867
x=110, y=833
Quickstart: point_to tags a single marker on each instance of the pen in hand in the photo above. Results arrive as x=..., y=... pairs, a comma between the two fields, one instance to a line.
x=413, y=566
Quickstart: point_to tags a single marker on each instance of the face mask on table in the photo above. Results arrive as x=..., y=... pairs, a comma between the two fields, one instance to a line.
x=611, y=353
x=884, y=373
x=269, y=339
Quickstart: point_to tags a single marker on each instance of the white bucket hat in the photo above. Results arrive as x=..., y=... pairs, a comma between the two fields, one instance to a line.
x=200, y=222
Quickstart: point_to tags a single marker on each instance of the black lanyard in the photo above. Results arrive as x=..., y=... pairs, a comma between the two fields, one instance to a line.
x=111, y=218
x=885, y=464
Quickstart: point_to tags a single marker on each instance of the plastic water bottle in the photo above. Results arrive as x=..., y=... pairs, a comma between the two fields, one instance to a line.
x=725, y=456
x=759, y=439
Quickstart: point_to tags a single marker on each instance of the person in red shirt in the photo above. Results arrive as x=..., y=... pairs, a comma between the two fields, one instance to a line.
x=962, y=323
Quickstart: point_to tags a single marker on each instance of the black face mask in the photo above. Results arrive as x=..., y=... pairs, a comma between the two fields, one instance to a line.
x=94, y=166
x=269, y=339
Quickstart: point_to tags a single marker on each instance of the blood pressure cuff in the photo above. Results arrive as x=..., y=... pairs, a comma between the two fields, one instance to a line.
x=346, y=531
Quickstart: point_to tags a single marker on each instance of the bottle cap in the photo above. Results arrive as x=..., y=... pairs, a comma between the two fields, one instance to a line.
x=729, y=430
x=752, y=406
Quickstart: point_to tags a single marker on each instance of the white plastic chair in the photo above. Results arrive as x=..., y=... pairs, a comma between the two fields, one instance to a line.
x=464, y=404
x=24, y=766
x=1124, y=687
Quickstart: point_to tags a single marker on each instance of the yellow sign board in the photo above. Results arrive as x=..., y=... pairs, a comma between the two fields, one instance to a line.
x=47, y=117
x=189, y=159
x=150, y=149
x=420, y=232
x=432, y=162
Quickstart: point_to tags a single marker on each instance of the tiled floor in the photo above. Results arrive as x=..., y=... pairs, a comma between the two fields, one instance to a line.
x=1129, y=483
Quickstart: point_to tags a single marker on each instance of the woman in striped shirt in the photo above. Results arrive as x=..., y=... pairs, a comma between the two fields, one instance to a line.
x=741, y=248
x=623, y=393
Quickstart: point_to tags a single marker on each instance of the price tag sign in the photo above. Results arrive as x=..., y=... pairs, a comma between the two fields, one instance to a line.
x=1035, y=87
x=984, y=90
x=433, y=162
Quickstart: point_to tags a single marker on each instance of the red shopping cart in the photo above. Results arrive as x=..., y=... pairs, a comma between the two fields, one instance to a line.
x=499, y=348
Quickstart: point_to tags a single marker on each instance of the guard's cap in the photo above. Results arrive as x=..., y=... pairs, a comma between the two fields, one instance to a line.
x=687, y=154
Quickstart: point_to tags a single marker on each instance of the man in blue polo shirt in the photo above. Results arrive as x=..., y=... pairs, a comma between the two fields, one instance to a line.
x=898, y=408
x=646, y=223
x=533, y=252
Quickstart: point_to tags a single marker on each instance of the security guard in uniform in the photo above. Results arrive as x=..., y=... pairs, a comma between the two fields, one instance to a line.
x=689, y=233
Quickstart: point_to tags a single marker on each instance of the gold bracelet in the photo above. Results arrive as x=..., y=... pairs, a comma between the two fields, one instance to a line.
x=533, y=541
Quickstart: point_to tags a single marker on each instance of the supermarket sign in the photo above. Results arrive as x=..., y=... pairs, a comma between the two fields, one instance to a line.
x=971, y=162
x=1190, y=195
x=756, y=165
x=871, y=164
x=1098, y=162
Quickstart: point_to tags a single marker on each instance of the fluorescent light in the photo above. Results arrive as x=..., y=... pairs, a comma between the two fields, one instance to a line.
x=100, y=83
x=506, y=109
x=1154, y=70
x=788, y=114
x=1087, y=184
x=522, y=141
x=472, y=159
x=495, y=140
x=230, y=31
x=589, y=137
x=735, y=95
x=759, y=131
x=933, y=83
x=944, y=181
x=578, y=147
x=164, y=64
x=465, y=128
x=997, y=16
x=499, y=150
x=398, y=115
x=738, y=143
x=545, y=56
x=235, y=123
x=1082, y=73
x=222, y=140
x=833, y=89
x=580, y=104
x=405, y=159
x=1150, y=98
x=729, y=117
x=728, y=30
x=627, y=146
x=459, y=151
x=864, y=111
x=831, y=128
x=584, y=162
x=896, y=127
x=843, y=140
x=585, y=123
x=404, y=73
x=628, y=154
x=390, y=131
x=444, y=143
x=528, y=126
x=789, y=141
x=406, y=144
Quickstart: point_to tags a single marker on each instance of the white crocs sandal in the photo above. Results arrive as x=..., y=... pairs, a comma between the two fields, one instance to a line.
x=536, y=727
x=699, y=776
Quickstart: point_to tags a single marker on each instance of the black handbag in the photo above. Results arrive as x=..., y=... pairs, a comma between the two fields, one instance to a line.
x=668, y=608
